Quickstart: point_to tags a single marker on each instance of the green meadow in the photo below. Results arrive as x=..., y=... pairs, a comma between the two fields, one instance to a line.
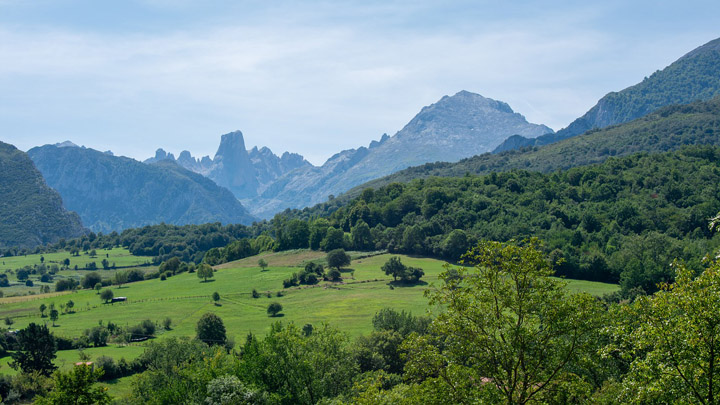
x=183, y=298
x=349, y=305
x=120, y=257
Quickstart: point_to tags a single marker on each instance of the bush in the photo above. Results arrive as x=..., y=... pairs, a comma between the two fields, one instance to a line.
x=255, y=293
x=65, y=284
x=274, y=309
x=107, y=295
x=134, y=275
x=211, y=330
x=29, y=283
x=98, y=336
x=334, y=275
x=110, y=369
x=91, y=279
x=167, y=322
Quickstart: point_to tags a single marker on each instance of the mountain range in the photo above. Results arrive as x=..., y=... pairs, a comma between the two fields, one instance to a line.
x=451, y=137
x=112, y=193
x=455, y=127
x=695, y=76
x=667, y=129
x=31, y=213
x=247, y=173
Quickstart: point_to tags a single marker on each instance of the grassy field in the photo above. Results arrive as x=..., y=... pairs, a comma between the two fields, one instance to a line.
x=184, y=298
x=349, y=305
x=120, y=257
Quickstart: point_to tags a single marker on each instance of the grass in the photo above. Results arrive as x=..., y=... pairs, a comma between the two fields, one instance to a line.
x=184, y=298
x=121, y=257
x=349, y=306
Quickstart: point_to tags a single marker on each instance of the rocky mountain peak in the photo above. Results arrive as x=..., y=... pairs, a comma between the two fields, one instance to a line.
x=231, y=145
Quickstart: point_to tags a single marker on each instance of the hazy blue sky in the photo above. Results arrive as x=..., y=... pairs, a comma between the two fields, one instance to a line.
x=313, y=77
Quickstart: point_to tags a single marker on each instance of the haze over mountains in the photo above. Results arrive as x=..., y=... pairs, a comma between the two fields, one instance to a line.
x=455, y=127
x=245, y=173
x=695, y=76
x=113, y=193
x=239, y=185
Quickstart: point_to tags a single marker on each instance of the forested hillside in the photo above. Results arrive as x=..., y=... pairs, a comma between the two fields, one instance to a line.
x=114, y=193
x=623, y=220
x=31, y=213
x=694, y=77
x=667, y=129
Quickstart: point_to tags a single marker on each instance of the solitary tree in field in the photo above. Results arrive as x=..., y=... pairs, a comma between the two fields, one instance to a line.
x=205, y=272
x=107, y=295
x=43, y=307
x=54, y=314
x=211, y=330
x=216, y=297
x=98, y=287
x=263, y=264
x=338, y=258
x=70, y=304
x=274, y=309
x=394, y=267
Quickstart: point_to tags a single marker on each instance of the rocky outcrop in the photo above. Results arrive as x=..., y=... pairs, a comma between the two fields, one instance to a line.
x=454, y=128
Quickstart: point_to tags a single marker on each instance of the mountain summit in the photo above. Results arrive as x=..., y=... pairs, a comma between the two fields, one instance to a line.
x=232, y=167
x=454, y=128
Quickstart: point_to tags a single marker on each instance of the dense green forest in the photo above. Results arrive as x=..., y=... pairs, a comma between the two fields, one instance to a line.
x=623, y=220
x=620, y=221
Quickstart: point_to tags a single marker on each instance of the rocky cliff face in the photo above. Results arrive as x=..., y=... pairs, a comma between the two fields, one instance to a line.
x=31, y=213
x=246, y=173
x=232, y=167
x=695, y=76
x=454, y=128
x=114, y=193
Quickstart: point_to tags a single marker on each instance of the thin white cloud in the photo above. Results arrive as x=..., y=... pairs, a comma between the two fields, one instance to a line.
x=289, y=85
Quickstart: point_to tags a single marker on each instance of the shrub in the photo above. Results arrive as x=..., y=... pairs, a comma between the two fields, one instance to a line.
x=334, y=275
x=274, y=309
x=338, y=258
x=65, y=284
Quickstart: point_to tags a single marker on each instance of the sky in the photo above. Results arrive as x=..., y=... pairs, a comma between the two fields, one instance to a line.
x=314, y=77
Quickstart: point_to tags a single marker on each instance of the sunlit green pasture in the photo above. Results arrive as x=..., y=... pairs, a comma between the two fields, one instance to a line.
x=349, y=305
x=119, y=257
x=184, y=298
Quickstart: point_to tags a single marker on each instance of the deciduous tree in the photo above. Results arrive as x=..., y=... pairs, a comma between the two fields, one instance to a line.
x=509, y=330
